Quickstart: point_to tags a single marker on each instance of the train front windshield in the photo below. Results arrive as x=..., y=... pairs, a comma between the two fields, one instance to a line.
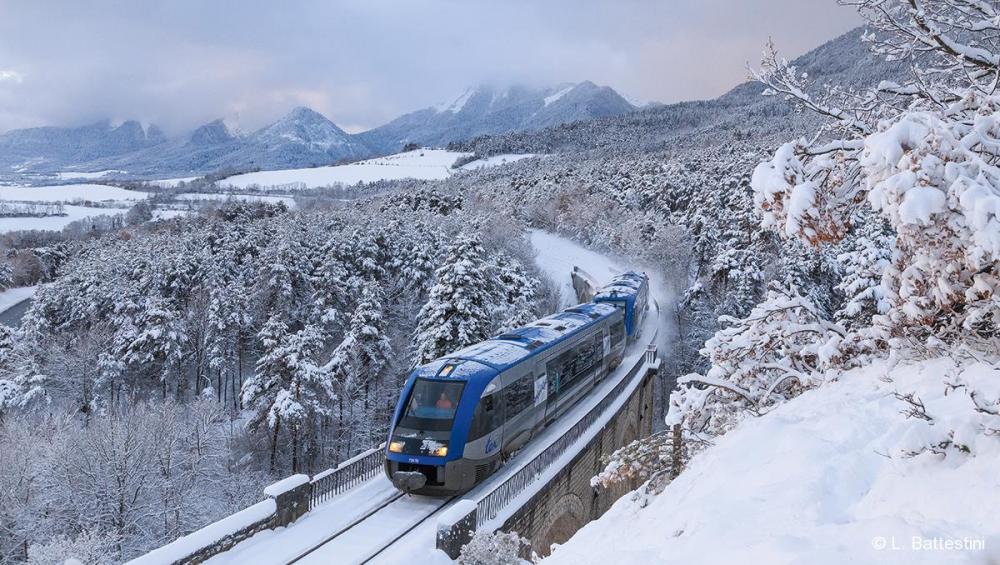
x=432, y=405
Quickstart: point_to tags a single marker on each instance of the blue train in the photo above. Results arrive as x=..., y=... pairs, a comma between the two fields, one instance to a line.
x=459, y=417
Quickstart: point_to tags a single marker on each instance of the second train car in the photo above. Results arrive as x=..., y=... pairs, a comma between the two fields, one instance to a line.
x=461, y=415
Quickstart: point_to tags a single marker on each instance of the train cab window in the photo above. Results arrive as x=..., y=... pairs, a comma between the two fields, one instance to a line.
x=488, y=416
x=432, y=405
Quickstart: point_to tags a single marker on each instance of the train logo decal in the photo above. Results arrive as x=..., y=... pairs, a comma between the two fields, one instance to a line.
x=492, y=444
x=541, y=391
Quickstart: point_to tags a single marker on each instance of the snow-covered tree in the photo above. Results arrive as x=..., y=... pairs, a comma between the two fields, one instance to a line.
x=357, y=367
x=781, y=348
x=458, y=309
x=923, y=155
x=21, y=381
x=288, y=388
x=494, y=548
x=517, y=291
x=864, y=257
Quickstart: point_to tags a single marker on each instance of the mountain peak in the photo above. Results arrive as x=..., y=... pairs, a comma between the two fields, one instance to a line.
x=212, y=133
x=305, y=114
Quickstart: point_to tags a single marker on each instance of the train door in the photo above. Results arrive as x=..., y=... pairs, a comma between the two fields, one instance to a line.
x=605, y=353
x=541, y=389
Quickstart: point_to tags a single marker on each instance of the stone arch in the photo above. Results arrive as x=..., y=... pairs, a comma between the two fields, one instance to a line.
x=562, y=520
x=629, y=435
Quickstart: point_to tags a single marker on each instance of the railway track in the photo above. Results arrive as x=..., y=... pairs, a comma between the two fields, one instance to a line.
x=408, y=530
x=341, y=531
x=314, y=554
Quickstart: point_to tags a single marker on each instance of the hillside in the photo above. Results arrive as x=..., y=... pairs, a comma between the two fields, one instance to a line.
x=813, y=482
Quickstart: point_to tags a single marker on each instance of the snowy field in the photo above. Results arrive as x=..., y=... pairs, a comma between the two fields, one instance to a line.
x=56, y=223
x=428, y=164
x=67, y=175
x=811, y=482
x=70, y=193
x=495, y=161
x=171, y=183
x=197, y=196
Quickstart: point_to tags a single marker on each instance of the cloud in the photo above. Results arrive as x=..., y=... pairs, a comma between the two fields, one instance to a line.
x=184, y=62
x=7, y=75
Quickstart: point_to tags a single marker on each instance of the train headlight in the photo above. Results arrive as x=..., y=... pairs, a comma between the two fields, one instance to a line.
x=396, y=446
x=440, y=451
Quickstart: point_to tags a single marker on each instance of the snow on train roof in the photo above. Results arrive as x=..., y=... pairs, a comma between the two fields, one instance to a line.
x=622, y=285
x=503, y=351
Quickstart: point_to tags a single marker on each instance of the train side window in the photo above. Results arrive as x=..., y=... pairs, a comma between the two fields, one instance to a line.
x=560, y=371
x=519, y=395
x=488, y=416
x=618, y=331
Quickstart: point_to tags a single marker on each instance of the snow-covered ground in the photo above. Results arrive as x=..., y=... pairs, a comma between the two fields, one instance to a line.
x=430, y=164
x=56, y=223
x=161, y=214
x=196, y=196
x=495, y=161
x=171, y=183
x=812, y=482
x=14, y=296
x=66, y=175
x=70, y=193
x=557, y=256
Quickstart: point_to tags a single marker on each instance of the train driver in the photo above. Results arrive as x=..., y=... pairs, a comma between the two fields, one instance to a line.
x=444, y=402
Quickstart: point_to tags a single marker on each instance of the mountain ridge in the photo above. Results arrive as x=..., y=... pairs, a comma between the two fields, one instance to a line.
x=302, y=137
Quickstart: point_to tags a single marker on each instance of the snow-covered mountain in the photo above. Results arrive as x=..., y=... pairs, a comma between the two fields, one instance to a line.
x=302, y=138
x=46, y=147
x=488, y=110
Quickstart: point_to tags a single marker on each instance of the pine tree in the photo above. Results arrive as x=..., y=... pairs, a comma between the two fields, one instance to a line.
x=516, y=290
x=864, y=257
x=458, y=311
x=288, y=389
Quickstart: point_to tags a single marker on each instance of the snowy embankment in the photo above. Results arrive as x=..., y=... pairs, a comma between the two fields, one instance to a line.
x=557, y=256
x=427, y=164
x=819, y=480
x=14, y=296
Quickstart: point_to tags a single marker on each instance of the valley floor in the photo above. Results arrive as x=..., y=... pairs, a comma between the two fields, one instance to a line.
x=813, y=482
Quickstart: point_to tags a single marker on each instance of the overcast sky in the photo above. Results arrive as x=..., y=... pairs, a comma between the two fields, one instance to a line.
x=180, y=63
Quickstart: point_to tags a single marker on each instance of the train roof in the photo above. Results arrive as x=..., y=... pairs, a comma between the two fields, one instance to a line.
x=624, y=285
x=487, y=358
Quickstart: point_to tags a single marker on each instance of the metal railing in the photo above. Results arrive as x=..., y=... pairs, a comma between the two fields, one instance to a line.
x=348, y=474
x=490, y=505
